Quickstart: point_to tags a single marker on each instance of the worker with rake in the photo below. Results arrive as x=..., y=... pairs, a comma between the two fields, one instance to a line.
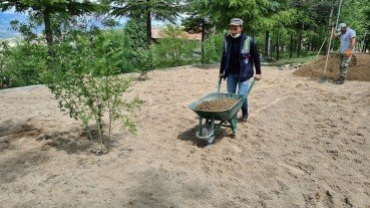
x=347, y=38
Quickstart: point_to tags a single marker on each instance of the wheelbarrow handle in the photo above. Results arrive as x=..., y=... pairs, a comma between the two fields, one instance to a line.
x=249, y=89
x=251, y=86
x=219, y=85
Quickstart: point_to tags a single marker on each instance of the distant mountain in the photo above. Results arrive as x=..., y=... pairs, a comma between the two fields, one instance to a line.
x=5, y=18
x=6, y=32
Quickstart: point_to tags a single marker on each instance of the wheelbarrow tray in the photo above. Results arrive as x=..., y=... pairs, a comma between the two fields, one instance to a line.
x=223, y=115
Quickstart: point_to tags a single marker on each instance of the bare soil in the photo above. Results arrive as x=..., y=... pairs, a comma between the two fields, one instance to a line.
x=217, y=105
x=306, y=144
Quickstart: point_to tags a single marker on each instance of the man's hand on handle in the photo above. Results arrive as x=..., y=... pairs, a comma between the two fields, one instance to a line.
x=257, y=77
x=348, y=52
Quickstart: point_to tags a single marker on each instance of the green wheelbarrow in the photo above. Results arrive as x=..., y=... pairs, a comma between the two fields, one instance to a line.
x=211, y=121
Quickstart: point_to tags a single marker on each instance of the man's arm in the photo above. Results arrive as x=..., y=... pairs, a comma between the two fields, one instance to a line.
x=223, y=59
x=223, y=62
x=352, y=35
x=256, y=57
x=335, y=35
x=353, y=42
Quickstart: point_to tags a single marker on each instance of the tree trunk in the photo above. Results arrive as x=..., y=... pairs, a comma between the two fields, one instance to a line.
x=366, y=45
x=363, y=49
x=291, y=46
x=309, y=44
x=48, y=31
x=148, y=24
x=277, y=47
x=267, y=44
x=203, y=38
x=300, y=41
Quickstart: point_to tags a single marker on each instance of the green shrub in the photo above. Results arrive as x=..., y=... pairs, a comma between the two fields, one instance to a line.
x=213, y=48
x=24, y=64
x=84, y=83
x=138, y=50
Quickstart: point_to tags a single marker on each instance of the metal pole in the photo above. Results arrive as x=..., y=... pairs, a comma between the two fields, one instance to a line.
x=321, y=47
x=338, y=14
x=328, y=52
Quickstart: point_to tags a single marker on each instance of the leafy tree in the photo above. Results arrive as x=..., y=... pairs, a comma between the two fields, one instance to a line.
x=140, y=55
x=159, y=9
x=45, y=9
x=199, y=19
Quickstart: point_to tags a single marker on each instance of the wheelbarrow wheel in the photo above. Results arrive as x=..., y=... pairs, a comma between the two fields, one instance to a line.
x=208, y=130
x=234, y=124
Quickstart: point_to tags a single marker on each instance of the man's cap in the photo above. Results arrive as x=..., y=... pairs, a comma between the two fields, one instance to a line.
x=341, y=25
x=236, y=22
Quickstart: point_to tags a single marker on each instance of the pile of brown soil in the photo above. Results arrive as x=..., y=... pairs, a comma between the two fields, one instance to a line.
x=359, y=68
x=217, y=105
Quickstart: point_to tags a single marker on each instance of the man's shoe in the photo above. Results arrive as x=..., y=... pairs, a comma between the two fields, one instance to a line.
x=339, y=81
x=244, y=119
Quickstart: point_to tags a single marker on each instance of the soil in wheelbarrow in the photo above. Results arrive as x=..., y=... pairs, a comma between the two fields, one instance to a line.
x=217, y=105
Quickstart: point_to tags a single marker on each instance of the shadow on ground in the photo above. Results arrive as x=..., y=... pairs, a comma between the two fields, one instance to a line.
x=74, y=141
x=190, y=136
x=165, y=188
x=20, y=164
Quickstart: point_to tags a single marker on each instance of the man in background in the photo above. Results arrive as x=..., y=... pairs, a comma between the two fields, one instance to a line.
x=347, y=38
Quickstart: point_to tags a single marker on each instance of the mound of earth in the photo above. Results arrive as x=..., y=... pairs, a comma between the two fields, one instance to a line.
x=358, y=69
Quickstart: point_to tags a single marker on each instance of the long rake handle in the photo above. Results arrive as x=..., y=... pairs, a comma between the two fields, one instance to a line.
x=327, y=55
x=330, y=39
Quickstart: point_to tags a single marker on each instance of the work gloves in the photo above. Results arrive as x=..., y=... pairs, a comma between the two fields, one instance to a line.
x=348, y=52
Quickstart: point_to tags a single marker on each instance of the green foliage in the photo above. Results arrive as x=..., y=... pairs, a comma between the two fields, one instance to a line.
x=23, y=65
x=45, y=9
x=357, y=15
x=139, y=53
x=25, y=29
x=146, y=10
x=84, y=84
x=89, y=98
x=174, y=49
x=213, y=48
x=160, y=9
x=110, y=22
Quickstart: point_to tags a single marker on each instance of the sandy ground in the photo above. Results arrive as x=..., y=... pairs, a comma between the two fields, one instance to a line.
x=306, y=144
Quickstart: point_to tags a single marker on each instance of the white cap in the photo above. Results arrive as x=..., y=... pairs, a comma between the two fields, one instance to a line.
x=236, y=22
x=341, y=25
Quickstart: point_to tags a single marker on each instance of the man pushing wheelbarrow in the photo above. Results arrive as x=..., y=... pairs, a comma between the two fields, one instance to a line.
x=239, y=55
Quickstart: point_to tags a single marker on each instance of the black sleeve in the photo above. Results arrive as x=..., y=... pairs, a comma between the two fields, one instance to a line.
x=223, y=59
x=256, y=57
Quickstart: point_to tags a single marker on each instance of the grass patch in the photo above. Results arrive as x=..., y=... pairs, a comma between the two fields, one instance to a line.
x=309, y=57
